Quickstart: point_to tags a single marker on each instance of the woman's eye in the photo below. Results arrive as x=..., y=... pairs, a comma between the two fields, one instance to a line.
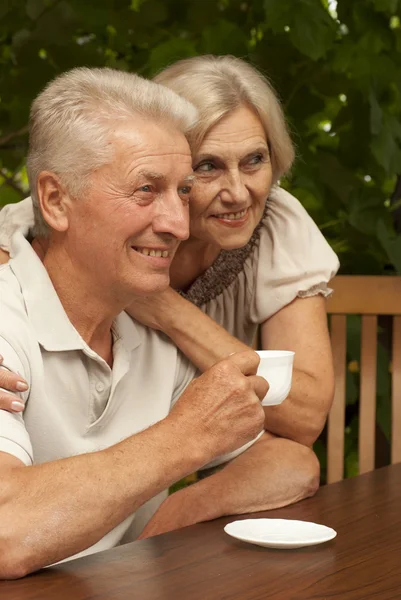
x=254, y=160
x=205, y=167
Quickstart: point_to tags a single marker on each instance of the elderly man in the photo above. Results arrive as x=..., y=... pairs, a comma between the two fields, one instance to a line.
x=111, y=418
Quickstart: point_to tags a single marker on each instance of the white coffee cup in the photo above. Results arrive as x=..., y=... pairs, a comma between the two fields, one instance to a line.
x=276, y=367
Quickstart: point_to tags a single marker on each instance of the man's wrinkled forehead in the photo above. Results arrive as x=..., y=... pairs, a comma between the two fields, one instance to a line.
x=144, y=133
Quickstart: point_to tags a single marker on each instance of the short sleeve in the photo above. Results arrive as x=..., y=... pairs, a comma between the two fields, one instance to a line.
x=15, y=217
x=225, y=458
x=292, y=260
x=14, y=438
x=185, y=373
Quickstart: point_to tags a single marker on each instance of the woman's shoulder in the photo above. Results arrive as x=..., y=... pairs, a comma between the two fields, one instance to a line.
x=15, y=217
x=286, y=246
x=289, y=234
x=283, y=210
x=293, y=259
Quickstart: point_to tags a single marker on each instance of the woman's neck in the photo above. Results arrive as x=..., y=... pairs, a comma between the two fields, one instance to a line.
x=192, y=259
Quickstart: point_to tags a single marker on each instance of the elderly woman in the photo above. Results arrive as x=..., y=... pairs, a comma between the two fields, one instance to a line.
x=255, y=259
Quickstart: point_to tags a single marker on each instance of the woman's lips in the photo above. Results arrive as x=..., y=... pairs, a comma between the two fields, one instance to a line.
x=238, y=221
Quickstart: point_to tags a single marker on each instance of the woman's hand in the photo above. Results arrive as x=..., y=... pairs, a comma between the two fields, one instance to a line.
x=11, y=382
x=40, y=245
x=4, y=257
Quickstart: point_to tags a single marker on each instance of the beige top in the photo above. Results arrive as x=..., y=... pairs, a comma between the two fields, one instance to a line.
x=76, y=403
x=286, y=258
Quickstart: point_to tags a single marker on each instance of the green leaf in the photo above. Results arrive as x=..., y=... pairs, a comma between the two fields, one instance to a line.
x=391, y=244
x=375, y=114
x=34, y=8
x=153, y=12
x=386, y=146
x=168, y=52
x=387, y=6
x=20, y=38
x=311, y=29
x=224, y=38
x=8, y=195
x=46, y=31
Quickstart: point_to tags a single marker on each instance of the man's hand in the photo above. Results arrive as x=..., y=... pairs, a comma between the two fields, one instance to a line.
x=221, y=409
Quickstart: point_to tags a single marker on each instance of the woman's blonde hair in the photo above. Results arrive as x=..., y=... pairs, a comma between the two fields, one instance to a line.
x=216, y=85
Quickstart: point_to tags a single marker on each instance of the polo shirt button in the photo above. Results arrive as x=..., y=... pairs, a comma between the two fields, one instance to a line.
x=99, y=386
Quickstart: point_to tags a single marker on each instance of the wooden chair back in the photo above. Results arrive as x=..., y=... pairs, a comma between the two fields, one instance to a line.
x=368, y=296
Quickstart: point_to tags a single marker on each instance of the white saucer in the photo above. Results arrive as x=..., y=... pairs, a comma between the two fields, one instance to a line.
x=280, y=533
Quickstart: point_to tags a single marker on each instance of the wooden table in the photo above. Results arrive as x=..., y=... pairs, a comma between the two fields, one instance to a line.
x=202, y=562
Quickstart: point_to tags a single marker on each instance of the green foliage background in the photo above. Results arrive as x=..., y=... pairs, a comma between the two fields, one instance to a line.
x=336, y=66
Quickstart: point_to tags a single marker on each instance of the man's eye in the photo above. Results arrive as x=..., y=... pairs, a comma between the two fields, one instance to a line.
x=145, y=188
x=204, y=167
x=185, y=190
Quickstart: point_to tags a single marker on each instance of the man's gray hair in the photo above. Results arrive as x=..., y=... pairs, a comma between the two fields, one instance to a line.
x=70, y=124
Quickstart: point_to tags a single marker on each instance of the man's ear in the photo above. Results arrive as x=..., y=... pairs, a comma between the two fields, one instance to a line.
x=54, y=201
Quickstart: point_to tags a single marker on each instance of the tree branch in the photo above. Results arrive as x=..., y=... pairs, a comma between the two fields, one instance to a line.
x=13, y=134
x=10, y=181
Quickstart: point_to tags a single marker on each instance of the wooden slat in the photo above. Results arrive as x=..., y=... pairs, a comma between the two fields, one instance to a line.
x=396, y=392
x=365, y=295
x=367, y=398
x=336, y=420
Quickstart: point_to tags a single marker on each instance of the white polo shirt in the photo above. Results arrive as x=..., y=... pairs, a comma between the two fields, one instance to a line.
x=76, y=403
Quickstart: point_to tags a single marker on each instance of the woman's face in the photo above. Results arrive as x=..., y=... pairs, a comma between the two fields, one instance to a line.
x=233, y=179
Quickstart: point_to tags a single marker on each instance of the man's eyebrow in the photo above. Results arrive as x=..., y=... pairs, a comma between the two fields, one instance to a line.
x=152, y=175
x=155, y=176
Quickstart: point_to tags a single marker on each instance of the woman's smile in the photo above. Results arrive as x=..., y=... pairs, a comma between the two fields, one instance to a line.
x=233, y=180
x=232, y=219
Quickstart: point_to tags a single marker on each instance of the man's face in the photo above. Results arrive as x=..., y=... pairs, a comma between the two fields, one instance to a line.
x=123, y=233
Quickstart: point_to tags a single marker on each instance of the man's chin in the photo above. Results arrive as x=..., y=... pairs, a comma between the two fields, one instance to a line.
x=157, y=284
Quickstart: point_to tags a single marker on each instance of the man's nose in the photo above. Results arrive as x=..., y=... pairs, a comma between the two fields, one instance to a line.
x=172, y=216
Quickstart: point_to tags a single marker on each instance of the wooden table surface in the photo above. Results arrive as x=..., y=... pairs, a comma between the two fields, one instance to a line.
x=202, y=562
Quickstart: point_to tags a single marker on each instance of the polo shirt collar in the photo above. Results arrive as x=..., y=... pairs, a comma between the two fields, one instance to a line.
x=53, y=329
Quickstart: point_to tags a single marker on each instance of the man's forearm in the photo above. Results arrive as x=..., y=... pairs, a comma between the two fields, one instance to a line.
x=54, y=510
x=273, y=473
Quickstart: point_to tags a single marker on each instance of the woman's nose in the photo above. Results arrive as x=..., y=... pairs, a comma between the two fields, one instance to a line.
x=234, y=190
